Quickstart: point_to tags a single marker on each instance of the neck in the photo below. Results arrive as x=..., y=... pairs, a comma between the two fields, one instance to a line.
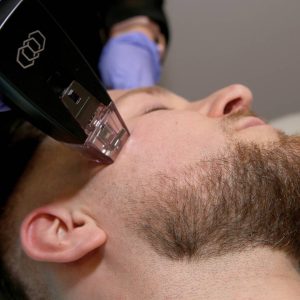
x=254, y=274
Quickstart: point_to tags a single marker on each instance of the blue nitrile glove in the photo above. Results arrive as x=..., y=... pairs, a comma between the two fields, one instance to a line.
x=3, y=107
x=130, y=60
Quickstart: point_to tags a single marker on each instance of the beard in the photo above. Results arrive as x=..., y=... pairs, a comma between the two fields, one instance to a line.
x=245, y=198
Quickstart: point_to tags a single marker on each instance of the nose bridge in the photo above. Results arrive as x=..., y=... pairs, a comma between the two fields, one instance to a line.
x=201, y=105
x=228, y=100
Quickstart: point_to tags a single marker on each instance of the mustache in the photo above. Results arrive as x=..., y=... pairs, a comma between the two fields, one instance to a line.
x=229, y=120
x=240, y=114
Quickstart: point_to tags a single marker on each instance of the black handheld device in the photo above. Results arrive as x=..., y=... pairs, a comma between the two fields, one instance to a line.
x=46, y=78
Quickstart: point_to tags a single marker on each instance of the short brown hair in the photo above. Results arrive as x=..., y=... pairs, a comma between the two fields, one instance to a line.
x=18, y=142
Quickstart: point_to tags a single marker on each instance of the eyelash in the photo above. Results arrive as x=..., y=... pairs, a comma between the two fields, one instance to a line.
x=153, y=109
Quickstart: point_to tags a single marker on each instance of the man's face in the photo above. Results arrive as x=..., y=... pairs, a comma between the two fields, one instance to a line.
x=190, y=175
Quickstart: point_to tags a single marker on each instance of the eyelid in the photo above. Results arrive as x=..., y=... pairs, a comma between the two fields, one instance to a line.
x=154, y=108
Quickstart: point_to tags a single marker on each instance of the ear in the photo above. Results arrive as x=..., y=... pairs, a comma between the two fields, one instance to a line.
x=54, y=233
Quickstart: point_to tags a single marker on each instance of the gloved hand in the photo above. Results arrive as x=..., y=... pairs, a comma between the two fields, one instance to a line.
x=130, y=60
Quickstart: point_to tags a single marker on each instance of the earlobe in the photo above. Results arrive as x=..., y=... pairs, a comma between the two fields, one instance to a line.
x=56, y=234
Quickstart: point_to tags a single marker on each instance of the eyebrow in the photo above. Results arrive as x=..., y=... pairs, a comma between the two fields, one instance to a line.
x=153, y=90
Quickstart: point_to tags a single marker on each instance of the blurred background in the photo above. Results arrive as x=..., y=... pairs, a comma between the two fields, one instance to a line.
x=217, y=43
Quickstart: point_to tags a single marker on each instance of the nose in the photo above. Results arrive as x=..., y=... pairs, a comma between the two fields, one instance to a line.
x=226, y=101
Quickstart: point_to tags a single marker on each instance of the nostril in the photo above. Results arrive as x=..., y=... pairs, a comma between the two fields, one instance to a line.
x=232, y=106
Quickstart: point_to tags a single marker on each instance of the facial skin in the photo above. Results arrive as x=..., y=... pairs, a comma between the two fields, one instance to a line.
x=80, y=225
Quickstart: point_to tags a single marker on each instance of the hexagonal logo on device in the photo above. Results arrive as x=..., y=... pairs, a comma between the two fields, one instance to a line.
x=31, y=49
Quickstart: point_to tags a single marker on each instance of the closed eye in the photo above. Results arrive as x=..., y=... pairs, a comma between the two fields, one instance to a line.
x=154, y=108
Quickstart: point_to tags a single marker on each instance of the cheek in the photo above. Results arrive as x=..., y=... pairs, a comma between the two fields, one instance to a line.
x=168, y=142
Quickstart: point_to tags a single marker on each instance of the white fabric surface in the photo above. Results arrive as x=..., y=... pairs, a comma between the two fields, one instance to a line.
x=288, y=123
